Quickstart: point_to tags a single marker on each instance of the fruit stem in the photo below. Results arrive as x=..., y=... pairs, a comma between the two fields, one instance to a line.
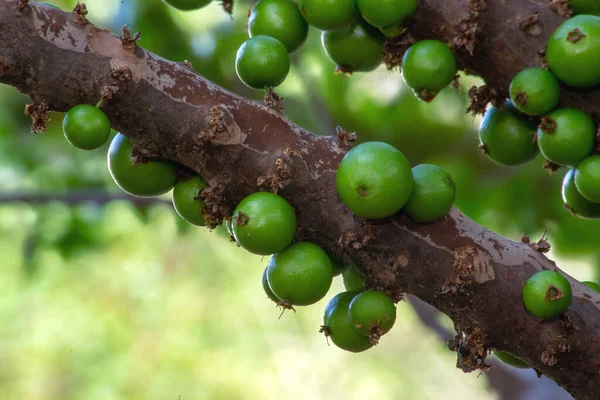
x=100, y=103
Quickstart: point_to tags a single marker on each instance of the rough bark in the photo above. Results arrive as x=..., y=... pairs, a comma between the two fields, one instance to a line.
x=240, y=146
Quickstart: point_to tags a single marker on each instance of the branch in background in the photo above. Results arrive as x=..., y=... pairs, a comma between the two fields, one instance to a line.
x=239, y=146
x=78, y=197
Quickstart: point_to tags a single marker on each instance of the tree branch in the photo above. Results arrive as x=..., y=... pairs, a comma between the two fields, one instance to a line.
x=240, y=146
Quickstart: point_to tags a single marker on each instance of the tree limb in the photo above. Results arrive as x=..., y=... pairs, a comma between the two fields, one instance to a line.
x=240, y=146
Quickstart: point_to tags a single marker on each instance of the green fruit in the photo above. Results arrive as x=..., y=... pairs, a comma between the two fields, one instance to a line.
x=590, y=7
x=573, y=51
x=390, y=16
x=264, y=223
x=267, y=288
x=592, y=285
x=262, y=62
x=354, y=280
x=279, y=19
x=372, y=314
x=301, y=274
x=187, y=5
x=50, y=5
x=86, y=127
x=356, y=48
x=511, y=360
x=506, y=137
x=328, y=15
x=336, y=267
x=433, y=194
x=587, y=178
x=138, y=177
x=547, y=294
x=535, y=91
x=374, y=180
x=186, y=200
x=566, y=136
x=575, y=202
x=338, y=326
x=428, y=66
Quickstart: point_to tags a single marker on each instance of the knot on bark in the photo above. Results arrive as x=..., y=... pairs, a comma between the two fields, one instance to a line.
x=37, y=111
x=394, y=49
x=128, y=40
x=471, y=350
x=79, y=14
x=216, y=208
x=480, y=96
x=221, y=128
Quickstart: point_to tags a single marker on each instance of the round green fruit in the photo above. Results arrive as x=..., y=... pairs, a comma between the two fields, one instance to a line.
x=428, y=66
x=535, y=91
x=573, y=51
x=372, y=314
x=547, y=294
x=279, y=19
x=142, y=178
x=264, y=223
x=592, y=285
x=374, y=180
x=433, y=193
x=50, y=5
x=338, y=326
x=301, y=274
x=267, y=288
x=587, y=178
x=336, y=267
x=590, y=7
x=187, y=5
x=575, y=202
x=566, y=136
x=511, y=360
x=262, y=62
x=354, y=280
x=506, y=137
x=390, y=16
x=356, y=48
x=186, y=200
x=86, y=127
x=328, y=15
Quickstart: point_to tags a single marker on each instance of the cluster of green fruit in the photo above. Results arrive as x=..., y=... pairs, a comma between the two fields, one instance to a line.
x=547, y=294
x=565, y=137
x=353, y=35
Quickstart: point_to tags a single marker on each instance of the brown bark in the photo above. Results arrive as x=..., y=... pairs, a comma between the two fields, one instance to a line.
x=240, y=146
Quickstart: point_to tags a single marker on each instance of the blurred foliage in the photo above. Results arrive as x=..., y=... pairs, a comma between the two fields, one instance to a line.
x=122, y=301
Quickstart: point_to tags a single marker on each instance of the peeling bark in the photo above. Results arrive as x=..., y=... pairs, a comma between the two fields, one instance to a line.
x=167, y=110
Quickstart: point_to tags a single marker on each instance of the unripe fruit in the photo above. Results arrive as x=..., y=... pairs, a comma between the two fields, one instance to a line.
x=328, y=15
x=86, y=127
x=535, y=91
x=336, y=267
x=428, y=66
x=573, y=51
x=50, y=5
x=590, y=7
x=356, y=48
x=566, y=136
x=300, y=275
x=547, y=294
x=187, y=5
x=506, y=137
x=511, y=360
x=267, y=288
x=432, y=195
x=374, y=180
x=575, y=202
x=372, y=314
x=587, y=178
x=592, y=285
x=264, y=223
x=138, y=177
x=262, y=62
x=390, y=16
x=186, y=200
x=279, y=19
x=354, y=280
x=338, y=326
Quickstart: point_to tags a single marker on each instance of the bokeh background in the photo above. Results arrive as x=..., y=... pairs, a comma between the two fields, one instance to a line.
x=114, y=298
